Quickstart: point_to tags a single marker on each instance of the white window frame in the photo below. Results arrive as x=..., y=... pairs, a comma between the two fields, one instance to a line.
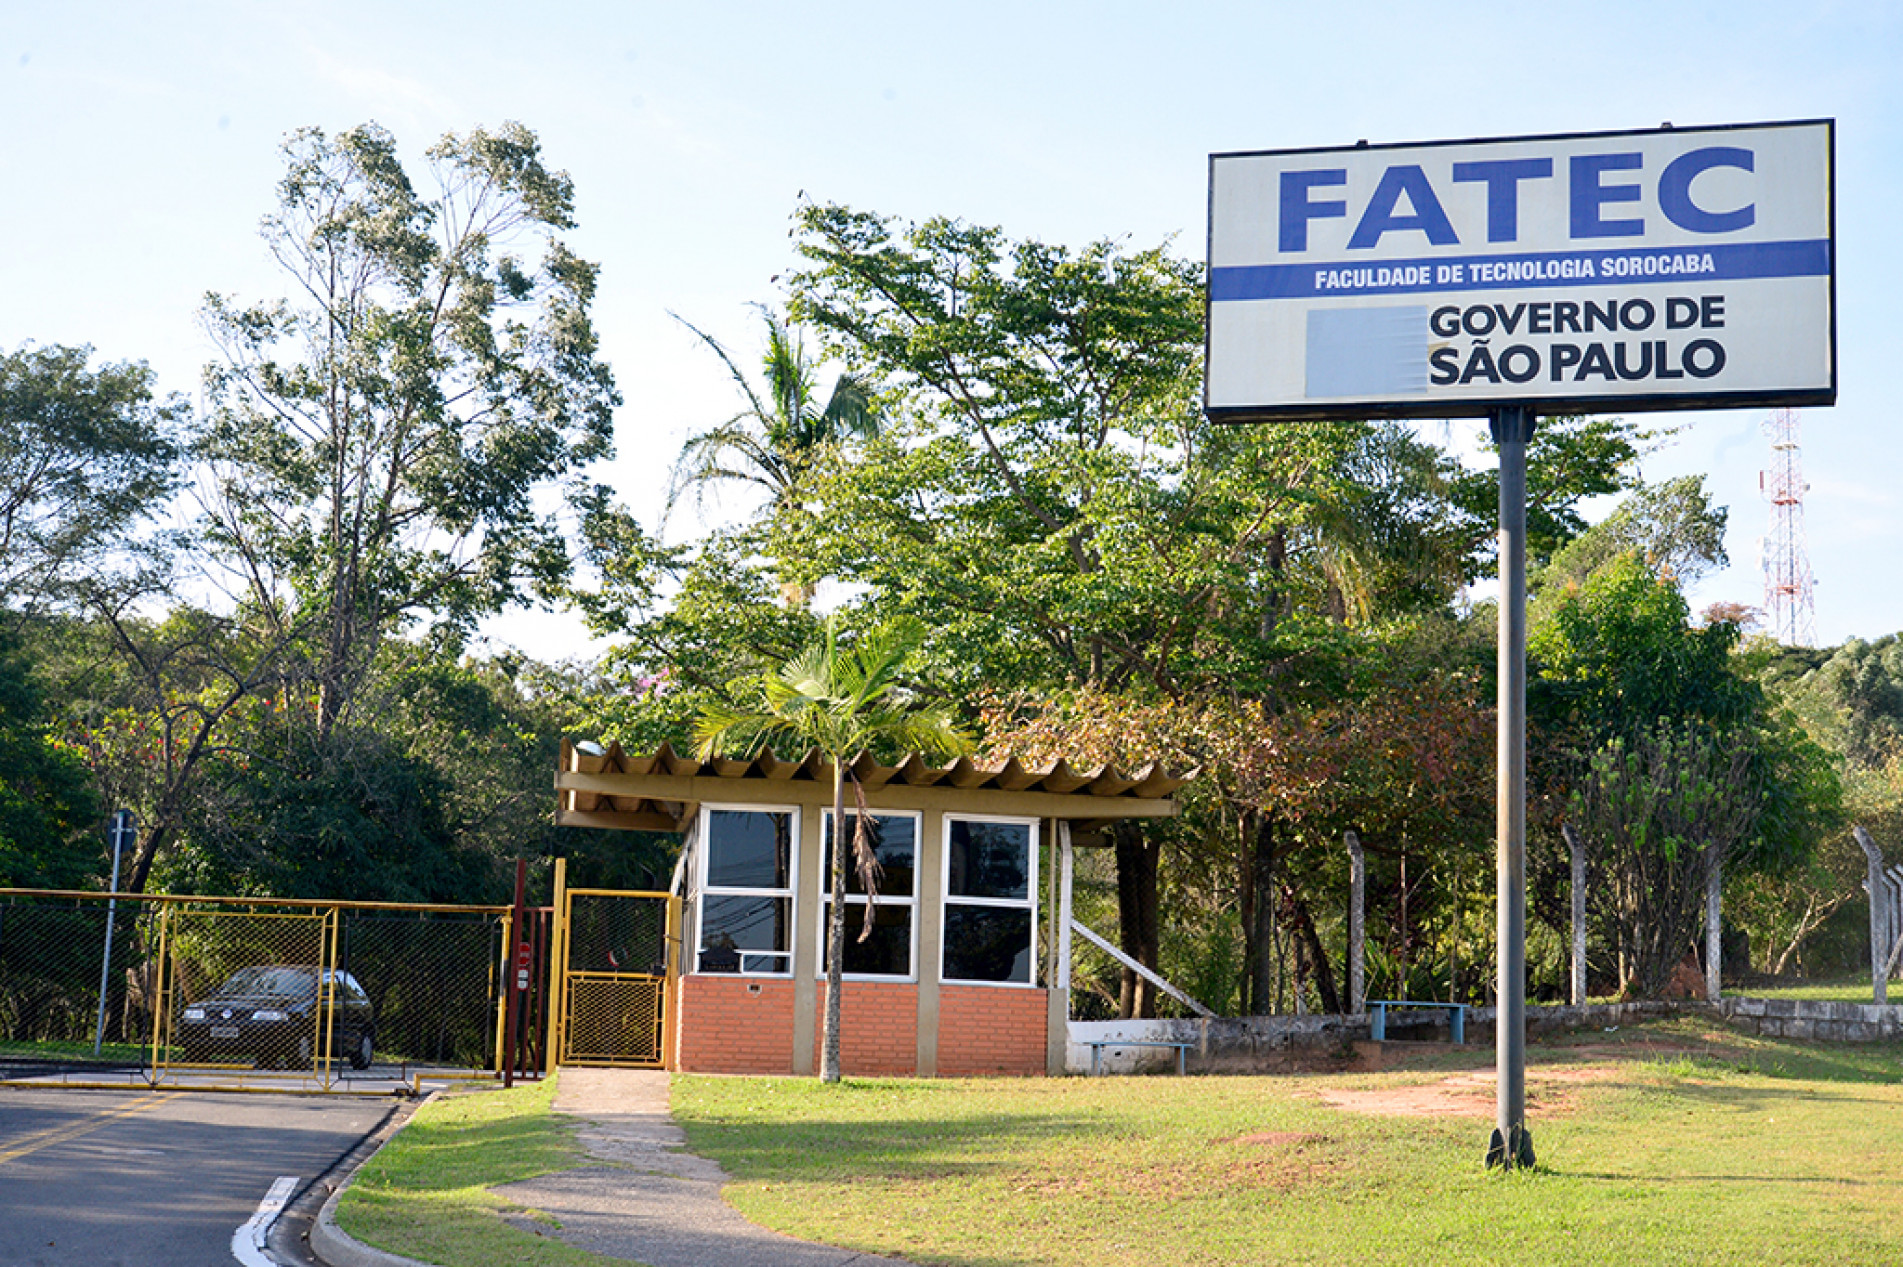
x=948, y=899
x=852, y=902
x=704, y=891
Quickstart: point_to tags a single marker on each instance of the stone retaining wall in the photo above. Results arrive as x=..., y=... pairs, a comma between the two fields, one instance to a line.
x=1814, y=1020
x=1267, y=1044
x=1245, y=1044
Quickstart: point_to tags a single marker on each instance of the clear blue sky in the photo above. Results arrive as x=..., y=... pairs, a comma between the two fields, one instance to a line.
x=143, y=139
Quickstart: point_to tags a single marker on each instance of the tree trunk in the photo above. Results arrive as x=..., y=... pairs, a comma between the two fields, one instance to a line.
x=145, y=855
x=1245, y=899
x=1275, y=548
x=1262, y=928
x=1317, y=957
x=1137, y=916
x=835, y=930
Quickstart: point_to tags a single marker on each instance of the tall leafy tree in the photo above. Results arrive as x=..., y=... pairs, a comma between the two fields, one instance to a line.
x=378, y=444
x=48, y=812
x=1570, y=459
x=1039, y=384
x=1672, y=527
x=1667, y=750
x=85, y=454
x=1850, y=697
x=843, y=700
x=782, y=429
x=1051, y=499
x=1850, y=700
x=1618, y=654
x=1660, y=811
x=152, y=704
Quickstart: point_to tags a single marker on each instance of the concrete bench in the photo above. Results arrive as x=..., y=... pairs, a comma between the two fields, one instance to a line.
x=1378, y=1023
x=1098, y=1044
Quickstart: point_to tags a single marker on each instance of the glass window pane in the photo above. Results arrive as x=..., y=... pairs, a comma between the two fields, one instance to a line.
x=987, y=943
x=749, y=849
x=894, y=844
x=990, y=859
x=887, y=953
x=732, y=925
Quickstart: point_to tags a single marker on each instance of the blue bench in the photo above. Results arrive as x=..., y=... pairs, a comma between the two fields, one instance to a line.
x=1378, y=1024
x=1098, y=1044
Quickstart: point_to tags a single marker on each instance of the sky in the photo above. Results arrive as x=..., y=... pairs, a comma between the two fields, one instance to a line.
x=144, y=150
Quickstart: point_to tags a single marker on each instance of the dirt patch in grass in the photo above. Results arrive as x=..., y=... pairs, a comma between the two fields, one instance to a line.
x=1277, y=1139
x=1469, y=1094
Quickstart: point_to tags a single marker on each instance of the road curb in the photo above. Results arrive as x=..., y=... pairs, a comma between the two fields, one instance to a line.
x=334, y=1247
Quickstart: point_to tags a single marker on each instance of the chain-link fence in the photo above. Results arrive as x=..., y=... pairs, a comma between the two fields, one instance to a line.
x=205, y=985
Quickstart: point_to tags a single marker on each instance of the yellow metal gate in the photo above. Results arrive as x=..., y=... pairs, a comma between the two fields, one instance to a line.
x=620, y=958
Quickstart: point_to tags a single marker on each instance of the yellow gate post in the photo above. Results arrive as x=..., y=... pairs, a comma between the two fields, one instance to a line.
x=675, y=967
x=500, y=988
x=161, y=1011
x=327, y=935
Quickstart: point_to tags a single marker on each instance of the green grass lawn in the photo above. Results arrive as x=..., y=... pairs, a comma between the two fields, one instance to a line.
x=426, y=1193
x=1658, y=1144
x=115, y=1053
x=1847, y=990
x=1670, y=1142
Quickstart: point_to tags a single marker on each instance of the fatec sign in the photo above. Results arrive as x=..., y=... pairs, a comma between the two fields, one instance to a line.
x=1677, y=269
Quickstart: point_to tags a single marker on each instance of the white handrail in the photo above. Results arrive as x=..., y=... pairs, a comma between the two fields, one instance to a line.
x=1140, y=970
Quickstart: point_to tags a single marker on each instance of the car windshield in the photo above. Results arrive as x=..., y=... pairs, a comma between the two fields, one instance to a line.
x=285, y=981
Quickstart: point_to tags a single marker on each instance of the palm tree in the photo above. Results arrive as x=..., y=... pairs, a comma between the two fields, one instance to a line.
x=781, y=431
x=840, y=700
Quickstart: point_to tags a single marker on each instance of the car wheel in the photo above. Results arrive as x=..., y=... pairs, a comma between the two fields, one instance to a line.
x=360, y=1055
x=304, y=1060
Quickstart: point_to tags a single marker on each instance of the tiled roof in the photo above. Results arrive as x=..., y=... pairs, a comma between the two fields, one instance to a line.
x=1150, y=782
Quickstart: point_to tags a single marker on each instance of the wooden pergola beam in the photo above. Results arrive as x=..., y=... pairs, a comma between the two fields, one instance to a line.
x=692, y=791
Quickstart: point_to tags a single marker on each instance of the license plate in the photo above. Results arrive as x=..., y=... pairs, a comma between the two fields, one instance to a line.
x=224, y=1031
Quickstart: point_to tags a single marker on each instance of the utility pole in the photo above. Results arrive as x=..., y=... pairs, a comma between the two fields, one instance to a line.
x=1512, y=1144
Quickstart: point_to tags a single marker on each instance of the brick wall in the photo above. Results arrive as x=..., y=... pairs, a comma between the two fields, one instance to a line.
x=878, y=1032
x=991, y=1030
x=727, y=1028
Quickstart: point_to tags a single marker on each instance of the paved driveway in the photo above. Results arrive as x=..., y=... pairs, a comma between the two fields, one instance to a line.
x=156, y=1178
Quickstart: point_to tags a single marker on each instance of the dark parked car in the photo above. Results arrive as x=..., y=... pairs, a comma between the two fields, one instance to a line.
x=269, y=1012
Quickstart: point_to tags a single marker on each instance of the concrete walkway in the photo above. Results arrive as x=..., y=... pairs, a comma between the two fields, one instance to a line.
x=649, y=1202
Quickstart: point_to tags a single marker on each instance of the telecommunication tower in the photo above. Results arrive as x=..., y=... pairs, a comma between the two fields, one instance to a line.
x=1788, y=602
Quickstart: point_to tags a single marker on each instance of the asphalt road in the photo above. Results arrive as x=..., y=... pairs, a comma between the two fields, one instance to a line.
x=156, y=1178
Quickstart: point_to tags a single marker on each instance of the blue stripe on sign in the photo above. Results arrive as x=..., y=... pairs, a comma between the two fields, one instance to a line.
x=1743, y=260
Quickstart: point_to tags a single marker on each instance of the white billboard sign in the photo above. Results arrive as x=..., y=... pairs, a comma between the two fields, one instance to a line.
x=1673, y=269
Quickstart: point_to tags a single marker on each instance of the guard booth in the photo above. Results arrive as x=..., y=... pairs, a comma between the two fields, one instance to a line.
x=966, y=968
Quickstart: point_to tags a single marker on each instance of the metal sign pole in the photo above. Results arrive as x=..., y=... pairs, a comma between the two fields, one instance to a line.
x=123, y=825
x=1512, y=1144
